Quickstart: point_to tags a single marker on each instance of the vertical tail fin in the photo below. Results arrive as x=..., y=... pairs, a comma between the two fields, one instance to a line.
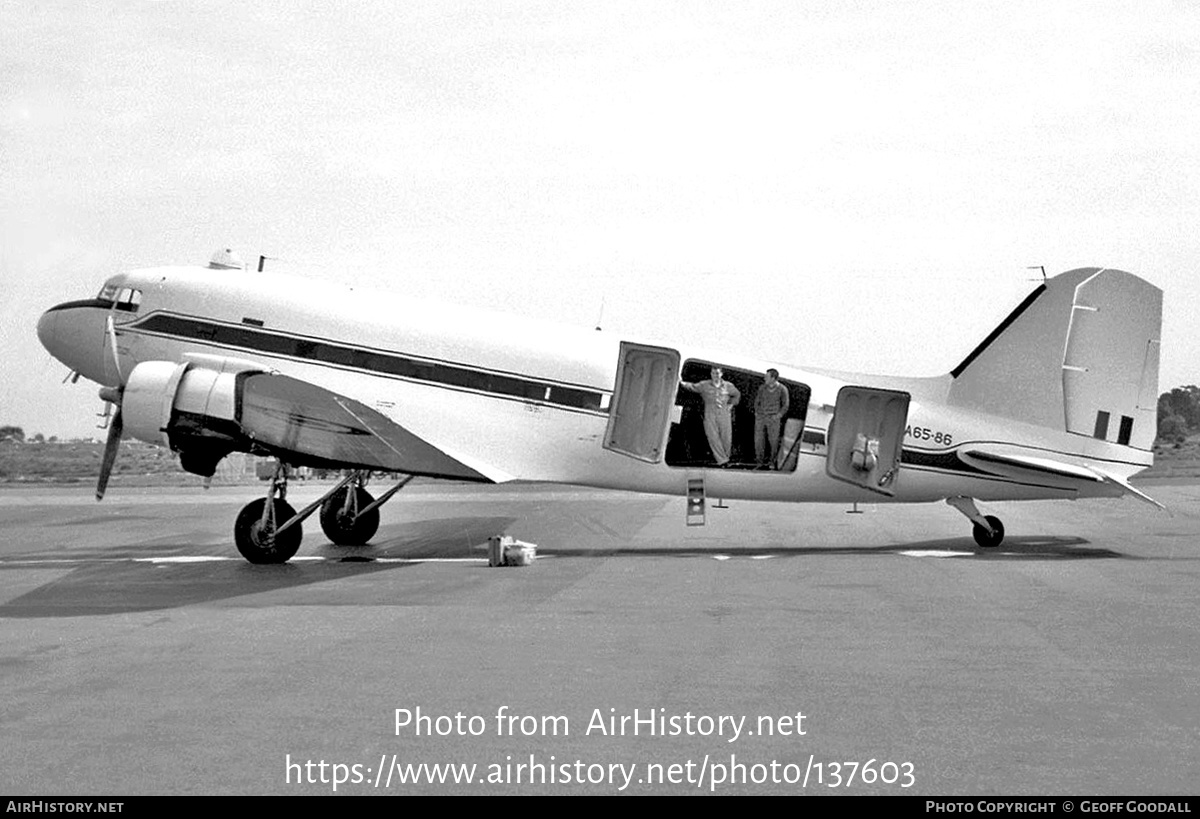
x=1080, y=354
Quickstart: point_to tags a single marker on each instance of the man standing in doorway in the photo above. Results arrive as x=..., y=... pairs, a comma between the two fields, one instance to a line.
x=719, y=398
x=771, y=403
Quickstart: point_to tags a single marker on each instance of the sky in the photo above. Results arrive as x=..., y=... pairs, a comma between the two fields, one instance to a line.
x=850, y=185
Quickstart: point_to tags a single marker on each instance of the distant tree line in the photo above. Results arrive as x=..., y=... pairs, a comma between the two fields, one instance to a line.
x=17, y=435
x=1178, y=414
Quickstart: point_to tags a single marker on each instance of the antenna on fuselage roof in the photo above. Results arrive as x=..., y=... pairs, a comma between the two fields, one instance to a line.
x=600, y=317
x=289, y=263
x=226, y=259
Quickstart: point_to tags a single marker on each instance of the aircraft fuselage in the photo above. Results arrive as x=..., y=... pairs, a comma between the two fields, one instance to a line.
x=518, y=399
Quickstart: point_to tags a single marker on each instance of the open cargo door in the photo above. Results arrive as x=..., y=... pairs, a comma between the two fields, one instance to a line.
x=640, y=415
x=866, y=437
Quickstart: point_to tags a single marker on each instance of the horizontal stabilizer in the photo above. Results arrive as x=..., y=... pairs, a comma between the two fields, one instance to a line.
x=1044, y=466
x=1124, y=484
x=1017, y=466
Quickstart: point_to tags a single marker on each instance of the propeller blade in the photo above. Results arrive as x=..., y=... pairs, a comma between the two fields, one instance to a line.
x=110, y=452
x=111, y=330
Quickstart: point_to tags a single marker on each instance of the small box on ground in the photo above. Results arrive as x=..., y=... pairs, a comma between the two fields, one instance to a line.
x=506, y=551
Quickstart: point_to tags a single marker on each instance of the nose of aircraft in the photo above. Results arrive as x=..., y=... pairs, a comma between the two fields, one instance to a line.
x=74, y=333
x=46, y=329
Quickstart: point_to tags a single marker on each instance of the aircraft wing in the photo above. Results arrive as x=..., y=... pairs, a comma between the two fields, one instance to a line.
x=1028, y=466
x=311, y=425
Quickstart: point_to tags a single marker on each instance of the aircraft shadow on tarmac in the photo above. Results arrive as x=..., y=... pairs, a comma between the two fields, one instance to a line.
x=116, y=586
x=442, y=538
x=120, y=586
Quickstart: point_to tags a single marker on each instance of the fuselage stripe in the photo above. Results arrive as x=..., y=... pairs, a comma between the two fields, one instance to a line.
x=341, y=355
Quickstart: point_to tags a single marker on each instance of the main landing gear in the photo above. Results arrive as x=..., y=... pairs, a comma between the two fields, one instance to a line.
x=988, y=531
x=268, y=530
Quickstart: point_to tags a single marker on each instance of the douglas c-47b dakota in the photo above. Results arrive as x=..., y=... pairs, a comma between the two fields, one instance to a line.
x=1059, y=401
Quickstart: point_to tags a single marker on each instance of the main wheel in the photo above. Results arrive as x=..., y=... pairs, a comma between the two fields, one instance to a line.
x=989, y=541
x=343, y=527
x=260, y=544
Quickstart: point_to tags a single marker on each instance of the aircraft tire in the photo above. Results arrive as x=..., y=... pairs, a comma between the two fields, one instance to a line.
x=341, y=530
x=989, y=541
x=250, y=540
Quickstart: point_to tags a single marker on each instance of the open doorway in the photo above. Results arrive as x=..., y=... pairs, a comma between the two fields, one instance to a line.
x=688, y=443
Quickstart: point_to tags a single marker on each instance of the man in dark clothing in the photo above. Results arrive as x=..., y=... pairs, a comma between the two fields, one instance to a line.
x=770, y=405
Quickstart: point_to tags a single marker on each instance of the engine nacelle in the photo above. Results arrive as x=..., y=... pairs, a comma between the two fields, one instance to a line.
x=148, y=399
x=189, y=407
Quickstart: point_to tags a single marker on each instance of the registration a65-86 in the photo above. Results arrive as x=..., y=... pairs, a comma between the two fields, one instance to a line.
x=927, y=434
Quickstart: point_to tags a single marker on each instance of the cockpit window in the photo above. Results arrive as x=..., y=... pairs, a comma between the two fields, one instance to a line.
x=129, y=299
x=122, y=298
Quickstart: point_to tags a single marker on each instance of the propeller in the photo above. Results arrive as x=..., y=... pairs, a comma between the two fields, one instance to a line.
x=111, y=331
x=112, y=395
x=115, y=426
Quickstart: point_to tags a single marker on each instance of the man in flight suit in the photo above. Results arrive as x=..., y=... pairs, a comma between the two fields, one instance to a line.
x=719, y=398
x=771, y=403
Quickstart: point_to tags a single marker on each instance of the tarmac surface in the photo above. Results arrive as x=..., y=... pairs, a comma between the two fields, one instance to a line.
x=778, y=649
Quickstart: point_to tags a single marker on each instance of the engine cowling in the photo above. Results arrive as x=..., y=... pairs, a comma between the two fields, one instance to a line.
x=190, y=407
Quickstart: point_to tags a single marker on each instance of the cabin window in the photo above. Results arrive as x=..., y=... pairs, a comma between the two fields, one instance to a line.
x=688, y=443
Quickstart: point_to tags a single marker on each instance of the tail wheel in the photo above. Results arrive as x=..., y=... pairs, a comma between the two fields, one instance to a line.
x=343, y=526
x=989, y=540
x=260, y=543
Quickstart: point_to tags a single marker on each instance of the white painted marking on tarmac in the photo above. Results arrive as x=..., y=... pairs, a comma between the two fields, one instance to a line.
x=426, y=559
x=178, y=559
x=190, y=559
x=761, y=557
x=52, y=561
x=720, y=557
x=933, y=553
